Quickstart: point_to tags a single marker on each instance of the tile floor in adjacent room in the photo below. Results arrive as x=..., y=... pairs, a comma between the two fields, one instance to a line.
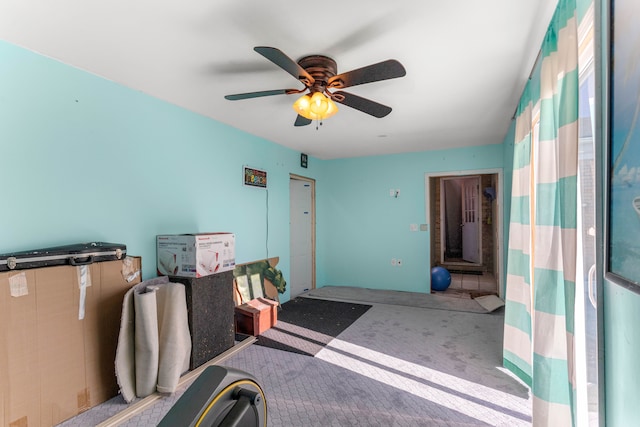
x=470, y=285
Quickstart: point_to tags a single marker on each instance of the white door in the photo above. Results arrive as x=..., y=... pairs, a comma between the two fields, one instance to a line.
x=301, y=236
x=471, y=220
x=588, y=382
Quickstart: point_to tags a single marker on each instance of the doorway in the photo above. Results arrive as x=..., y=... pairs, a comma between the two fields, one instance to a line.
x=461, y=232
x=302, y=228
x=464, y=212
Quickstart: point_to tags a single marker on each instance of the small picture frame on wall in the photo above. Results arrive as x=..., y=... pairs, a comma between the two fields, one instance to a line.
x=252, y=177
x=622, y=124
x=304, y=159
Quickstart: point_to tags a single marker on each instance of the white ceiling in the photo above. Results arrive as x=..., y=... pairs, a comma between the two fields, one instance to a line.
x=466, y=61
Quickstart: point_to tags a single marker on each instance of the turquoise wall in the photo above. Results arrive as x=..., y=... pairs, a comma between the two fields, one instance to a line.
x=365, y=227
x=85, y=159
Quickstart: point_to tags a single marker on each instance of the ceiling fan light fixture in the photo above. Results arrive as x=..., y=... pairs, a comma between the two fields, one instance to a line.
x=315, y=107
x=302, y=104
x=319, y=104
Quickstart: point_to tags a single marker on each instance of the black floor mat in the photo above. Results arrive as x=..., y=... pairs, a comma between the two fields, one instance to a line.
x=472, y=272
x=306, y=325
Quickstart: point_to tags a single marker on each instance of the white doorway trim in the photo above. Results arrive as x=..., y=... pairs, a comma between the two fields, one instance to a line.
x=312, y=231
x=499, y=243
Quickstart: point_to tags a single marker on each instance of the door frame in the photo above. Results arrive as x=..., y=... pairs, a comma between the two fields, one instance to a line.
x=312, y=183
x=499, y=243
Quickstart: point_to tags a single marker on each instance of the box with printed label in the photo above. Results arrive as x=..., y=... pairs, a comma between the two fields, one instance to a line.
x=195, y=255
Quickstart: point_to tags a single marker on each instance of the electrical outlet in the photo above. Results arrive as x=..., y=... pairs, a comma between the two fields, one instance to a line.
x=394, y=262
x=399, y=262
x=392, y=192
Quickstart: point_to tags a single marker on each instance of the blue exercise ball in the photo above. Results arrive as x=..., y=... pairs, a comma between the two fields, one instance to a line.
x=440, y=279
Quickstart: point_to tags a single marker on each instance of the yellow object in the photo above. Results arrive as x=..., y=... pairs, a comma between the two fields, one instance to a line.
x=315, y=107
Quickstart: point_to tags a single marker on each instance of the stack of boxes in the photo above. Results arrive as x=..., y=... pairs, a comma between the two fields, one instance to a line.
x=203, y=263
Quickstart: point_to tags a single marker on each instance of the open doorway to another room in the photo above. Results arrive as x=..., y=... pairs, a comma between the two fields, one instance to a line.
x=461, y=222
x=464, y=211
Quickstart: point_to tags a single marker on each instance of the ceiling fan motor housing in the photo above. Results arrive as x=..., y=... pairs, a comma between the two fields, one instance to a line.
x=321, y=68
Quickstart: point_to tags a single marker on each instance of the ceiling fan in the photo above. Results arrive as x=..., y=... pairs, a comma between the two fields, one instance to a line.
x=318, y=73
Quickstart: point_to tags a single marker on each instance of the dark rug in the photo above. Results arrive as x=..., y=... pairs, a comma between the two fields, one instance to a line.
x=306, y=325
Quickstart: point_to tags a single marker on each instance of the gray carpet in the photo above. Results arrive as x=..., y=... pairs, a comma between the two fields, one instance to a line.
x=409, y=299
x=396, y=365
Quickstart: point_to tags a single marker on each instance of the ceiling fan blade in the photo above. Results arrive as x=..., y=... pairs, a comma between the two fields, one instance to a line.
x=302, y=121
x=249, y=95
x=359, y=103
x=283, y=61
x=389, y=69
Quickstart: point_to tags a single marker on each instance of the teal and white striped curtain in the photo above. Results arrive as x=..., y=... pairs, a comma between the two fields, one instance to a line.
x=517, y=323
x=552, y=264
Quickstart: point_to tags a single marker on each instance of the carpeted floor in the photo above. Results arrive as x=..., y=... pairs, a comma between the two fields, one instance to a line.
x=306, y=325
x=395, y=365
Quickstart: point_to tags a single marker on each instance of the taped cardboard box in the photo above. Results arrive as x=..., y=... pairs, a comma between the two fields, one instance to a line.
x=58, y=339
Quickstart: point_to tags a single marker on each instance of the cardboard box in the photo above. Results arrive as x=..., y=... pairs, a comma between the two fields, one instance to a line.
x=256, y=316
x=195, y=255
x=58, y=339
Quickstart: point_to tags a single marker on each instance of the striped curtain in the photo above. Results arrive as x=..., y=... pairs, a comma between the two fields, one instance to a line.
x=517, y=323
x=554, y=251
x=552, y=264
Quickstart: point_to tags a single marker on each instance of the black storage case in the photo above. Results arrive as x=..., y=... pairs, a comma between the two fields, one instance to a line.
x=76, y=254
x=210, y=315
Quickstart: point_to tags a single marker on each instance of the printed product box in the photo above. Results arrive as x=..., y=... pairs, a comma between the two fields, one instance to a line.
x=195, y=255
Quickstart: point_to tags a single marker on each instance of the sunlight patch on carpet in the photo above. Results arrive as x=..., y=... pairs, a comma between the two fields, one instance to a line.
x=427, y=383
